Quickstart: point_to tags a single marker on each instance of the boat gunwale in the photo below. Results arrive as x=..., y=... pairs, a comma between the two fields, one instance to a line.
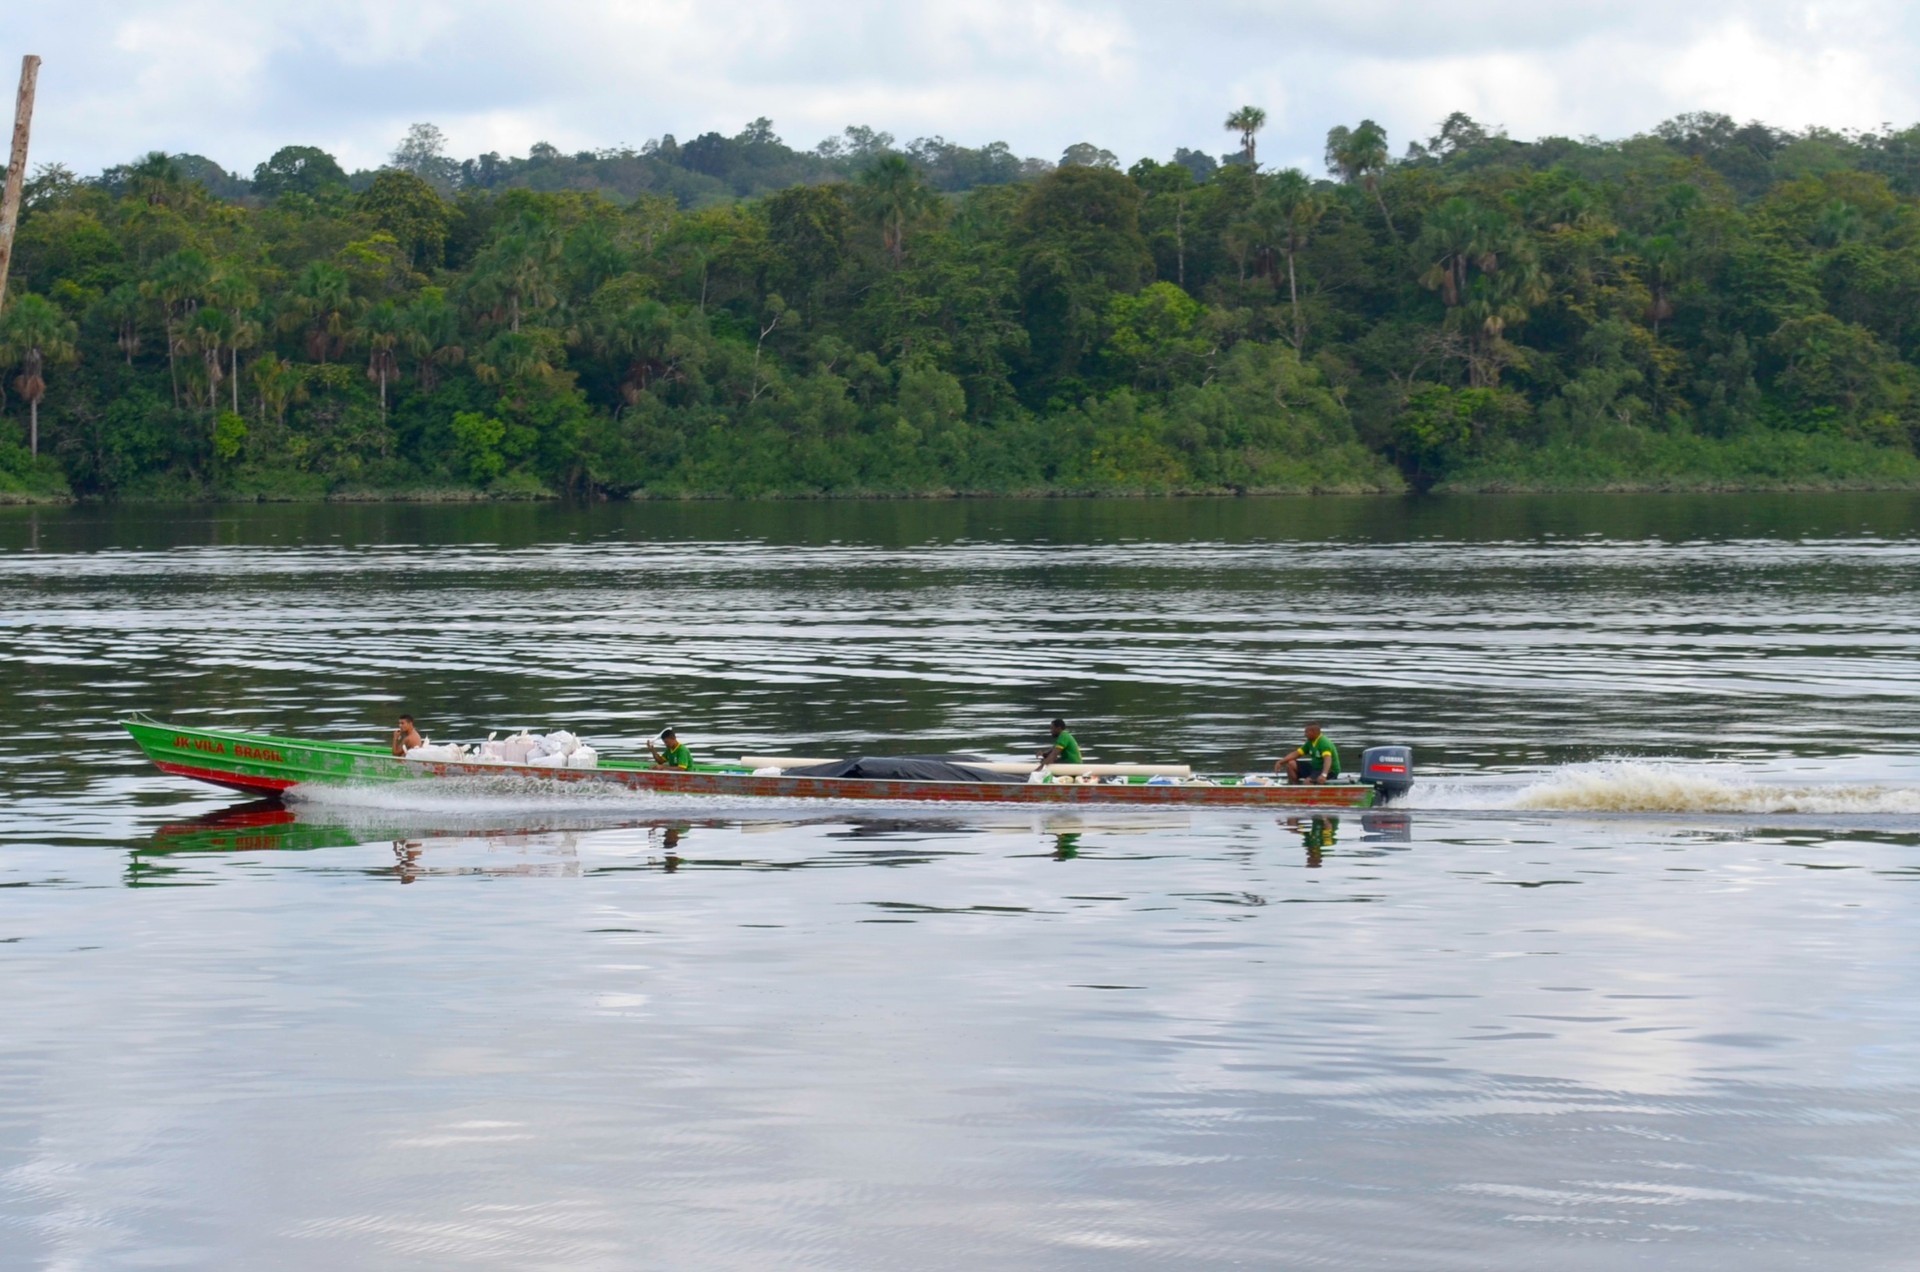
x=276, y=777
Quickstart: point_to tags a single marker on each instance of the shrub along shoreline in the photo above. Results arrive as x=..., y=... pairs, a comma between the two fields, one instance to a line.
x=1642, y=463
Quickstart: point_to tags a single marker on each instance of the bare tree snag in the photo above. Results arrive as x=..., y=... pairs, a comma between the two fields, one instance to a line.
x=16, y=167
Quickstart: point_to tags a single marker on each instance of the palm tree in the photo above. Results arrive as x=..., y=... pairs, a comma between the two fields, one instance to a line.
x=179, y=282
x=1557, y=208
x=157, y=181
x=121, y=307
x=641, y=337
x=1663, y=256
x=593, y=254
x=895, y=199
x=1487, y=276
x=33, y=334
x=432, y=335
x=1458, y=236
x=1286, y=214
x=1247, y=121
x=517, y=271
x=381, y=331
x=321, y=301
x=516, y=355
x=277, y=382
x=1840, y=222
x=1360, y=154
x=235, y=295
x=245, y=334
x=1493, y=303
x=207, y=336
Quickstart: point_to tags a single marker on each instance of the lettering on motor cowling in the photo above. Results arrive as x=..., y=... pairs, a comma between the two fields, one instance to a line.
x=241, y=751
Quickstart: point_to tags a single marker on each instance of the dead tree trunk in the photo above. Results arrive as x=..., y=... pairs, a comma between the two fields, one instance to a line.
x=16, y=167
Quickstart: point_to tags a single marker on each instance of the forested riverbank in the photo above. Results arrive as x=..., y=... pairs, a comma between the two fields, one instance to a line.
x=1708, y=306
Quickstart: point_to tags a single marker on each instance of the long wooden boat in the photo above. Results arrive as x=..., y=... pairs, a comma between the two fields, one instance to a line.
x=265, y=765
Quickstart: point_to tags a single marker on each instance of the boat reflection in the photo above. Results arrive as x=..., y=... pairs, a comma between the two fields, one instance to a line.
x=262, y=825
x=532, y=843
x=1380, y=833
x=535, y=848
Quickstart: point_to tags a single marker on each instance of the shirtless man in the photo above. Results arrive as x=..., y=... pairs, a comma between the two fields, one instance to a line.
x=406, y=737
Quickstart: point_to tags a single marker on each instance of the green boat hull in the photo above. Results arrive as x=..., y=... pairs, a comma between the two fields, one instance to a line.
x=259, y=763
x=265, y=765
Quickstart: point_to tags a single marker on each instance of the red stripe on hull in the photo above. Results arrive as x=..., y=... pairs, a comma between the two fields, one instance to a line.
x=731, y=785
x=232, y=781
x=1339, y=796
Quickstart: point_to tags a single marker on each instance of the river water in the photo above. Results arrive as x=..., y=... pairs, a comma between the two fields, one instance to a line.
x=1630, y=982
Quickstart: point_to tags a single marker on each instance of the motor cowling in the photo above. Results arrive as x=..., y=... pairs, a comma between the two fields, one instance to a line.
x=1389, y=769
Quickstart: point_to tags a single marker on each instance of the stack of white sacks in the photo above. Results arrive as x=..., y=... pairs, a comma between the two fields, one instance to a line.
x=556, y=750
x=431, y=751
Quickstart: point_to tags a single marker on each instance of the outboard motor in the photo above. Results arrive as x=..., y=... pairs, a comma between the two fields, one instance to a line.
x=1389, y=769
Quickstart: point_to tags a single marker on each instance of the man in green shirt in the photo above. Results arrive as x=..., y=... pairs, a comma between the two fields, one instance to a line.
x=670, y=753
x=1315, y=760
x=1064, y=749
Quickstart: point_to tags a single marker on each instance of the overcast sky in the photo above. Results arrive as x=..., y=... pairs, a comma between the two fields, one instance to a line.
x=236, y=79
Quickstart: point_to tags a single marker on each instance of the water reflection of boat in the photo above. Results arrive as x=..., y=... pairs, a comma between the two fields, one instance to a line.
x=259, y=764
x=532, y=848
x=269, y=826
x=1387, y=828
x=984, y=821
x=532, y=844
x=1380, y=833
x=262, y=826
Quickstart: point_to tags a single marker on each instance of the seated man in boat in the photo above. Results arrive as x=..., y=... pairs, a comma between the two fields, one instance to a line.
x=671, y=753
x=406, y=737
x=1315, y=760
x=1064, y=749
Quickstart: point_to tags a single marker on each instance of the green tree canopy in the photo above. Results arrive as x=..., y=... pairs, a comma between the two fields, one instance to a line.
x=407, y=207
x=733, y=315
x=303, y=170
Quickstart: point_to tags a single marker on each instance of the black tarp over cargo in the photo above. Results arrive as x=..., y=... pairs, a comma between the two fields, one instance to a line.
x=906, y=768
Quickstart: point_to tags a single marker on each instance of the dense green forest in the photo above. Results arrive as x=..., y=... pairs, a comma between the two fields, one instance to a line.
x=1707, y=305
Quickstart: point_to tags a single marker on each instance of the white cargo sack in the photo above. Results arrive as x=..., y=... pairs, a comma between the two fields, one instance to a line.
x=584, y=757
x=547, y=761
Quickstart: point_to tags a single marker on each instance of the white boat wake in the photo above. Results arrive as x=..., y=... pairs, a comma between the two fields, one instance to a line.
x=1623, y=786
x=506, y=794
x=1652, y=786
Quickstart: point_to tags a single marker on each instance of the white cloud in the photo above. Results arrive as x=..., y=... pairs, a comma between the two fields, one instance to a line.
x=235, y=80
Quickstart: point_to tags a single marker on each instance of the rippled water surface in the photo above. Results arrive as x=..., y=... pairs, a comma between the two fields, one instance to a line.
x=1629, y=983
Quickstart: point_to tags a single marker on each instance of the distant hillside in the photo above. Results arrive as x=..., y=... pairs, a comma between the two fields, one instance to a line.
x=707, y=169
